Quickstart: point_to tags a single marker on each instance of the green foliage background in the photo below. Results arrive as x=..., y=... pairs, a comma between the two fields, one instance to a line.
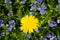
x=19, y=10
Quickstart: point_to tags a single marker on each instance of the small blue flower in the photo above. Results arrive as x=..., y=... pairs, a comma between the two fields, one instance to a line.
x=1, y=21
x=48, y=35
x=35, y=2
x=53, y=36
x=3, y=34
x=40, y=1
x=10, y=28
x=28, y=36
x=33, y=7
x=58, y=21
x=58, y=37
x=38, y=9
x=11, y=22
x=23, y=1
x=52, y=24
x=8, y=14
x=43, y=7
x=42, y=11
x=58, y=1
x=10, y=2
x=2, y=25
x=37, y=30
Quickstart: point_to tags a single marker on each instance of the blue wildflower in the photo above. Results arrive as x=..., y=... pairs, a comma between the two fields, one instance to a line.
x=9, y=27
x=42, y=11
x=58, y=1
x=58, y=21
x=3, y=34
x=33, y=7
x=35, y=2
x=58, y=37
x=8, y=14
x=38, y=9
x=52, y=24
x=28, y=36
x=53, y=36
x=1, y=23
x=11, y=22
x=37, y=30
x=43, y=7
x=48, y=35
x=40, y=1
x=23, y=2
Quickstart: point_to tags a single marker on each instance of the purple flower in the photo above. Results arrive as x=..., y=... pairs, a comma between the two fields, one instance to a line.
x=48, y=35
x=3, y=34
x=8, y=14
x=40, y=1
x=37, y=30
x=35, y=2
x=58, y=21
x=58, y=1
x=1, y=21
x=33, y=7
x=28, y=36
x=52, y=24
x=58, y=37
x=10, y=28
x=2, y=25
x=10, y=2
x=38, y=9
x=43, y=7
x=42, y=11
x=11, y=22
x=51, y=35
x=23, y=1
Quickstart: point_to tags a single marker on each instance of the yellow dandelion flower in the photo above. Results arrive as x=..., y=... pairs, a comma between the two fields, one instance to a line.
x=29, y=23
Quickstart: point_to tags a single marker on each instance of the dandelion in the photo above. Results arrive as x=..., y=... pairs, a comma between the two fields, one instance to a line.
x=29, y=23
